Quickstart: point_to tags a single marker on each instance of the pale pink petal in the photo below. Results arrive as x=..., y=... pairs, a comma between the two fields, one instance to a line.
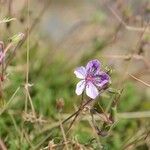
x=91, y=90
x=80, y=87
x=80, y=72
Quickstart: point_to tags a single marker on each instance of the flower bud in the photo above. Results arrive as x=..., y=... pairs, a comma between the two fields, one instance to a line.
x=60, y=104
x=17, y=38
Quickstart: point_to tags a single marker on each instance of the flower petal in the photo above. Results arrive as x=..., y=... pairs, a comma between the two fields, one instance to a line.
x=80, y=87
x=102, y=83
x=80, y=72
x=93, y=66
x=101, y=79
x=91, y=90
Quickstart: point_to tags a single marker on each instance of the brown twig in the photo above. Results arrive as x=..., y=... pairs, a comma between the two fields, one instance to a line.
x=63, y=133
x=2, y=145
x=139, y=80
x=131, y=28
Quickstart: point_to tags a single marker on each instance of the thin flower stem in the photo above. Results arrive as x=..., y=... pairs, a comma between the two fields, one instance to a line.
x=8, y=47
x=95, y=133
x=63, y=133
x=27, y=58
x=80, y=109
x=8, y=103
x=82, y=97
x=30, y=100
x=105, y=114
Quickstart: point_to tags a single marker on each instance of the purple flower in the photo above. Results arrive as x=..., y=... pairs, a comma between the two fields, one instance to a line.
x=92, y=79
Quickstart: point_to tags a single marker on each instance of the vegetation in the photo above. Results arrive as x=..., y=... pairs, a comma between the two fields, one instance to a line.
x=38, y=55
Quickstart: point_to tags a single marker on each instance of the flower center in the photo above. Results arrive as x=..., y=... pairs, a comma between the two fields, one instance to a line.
x=89, y=78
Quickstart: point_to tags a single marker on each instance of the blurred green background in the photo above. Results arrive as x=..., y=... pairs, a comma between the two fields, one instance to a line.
x=67, y=34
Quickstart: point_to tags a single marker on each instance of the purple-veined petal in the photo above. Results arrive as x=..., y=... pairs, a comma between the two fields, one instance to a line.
x=80, y=72
x=91, y=90
x=93, y=66
x=104, y=82
x=104, y=75
x=80, y=87
x=101, y=79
